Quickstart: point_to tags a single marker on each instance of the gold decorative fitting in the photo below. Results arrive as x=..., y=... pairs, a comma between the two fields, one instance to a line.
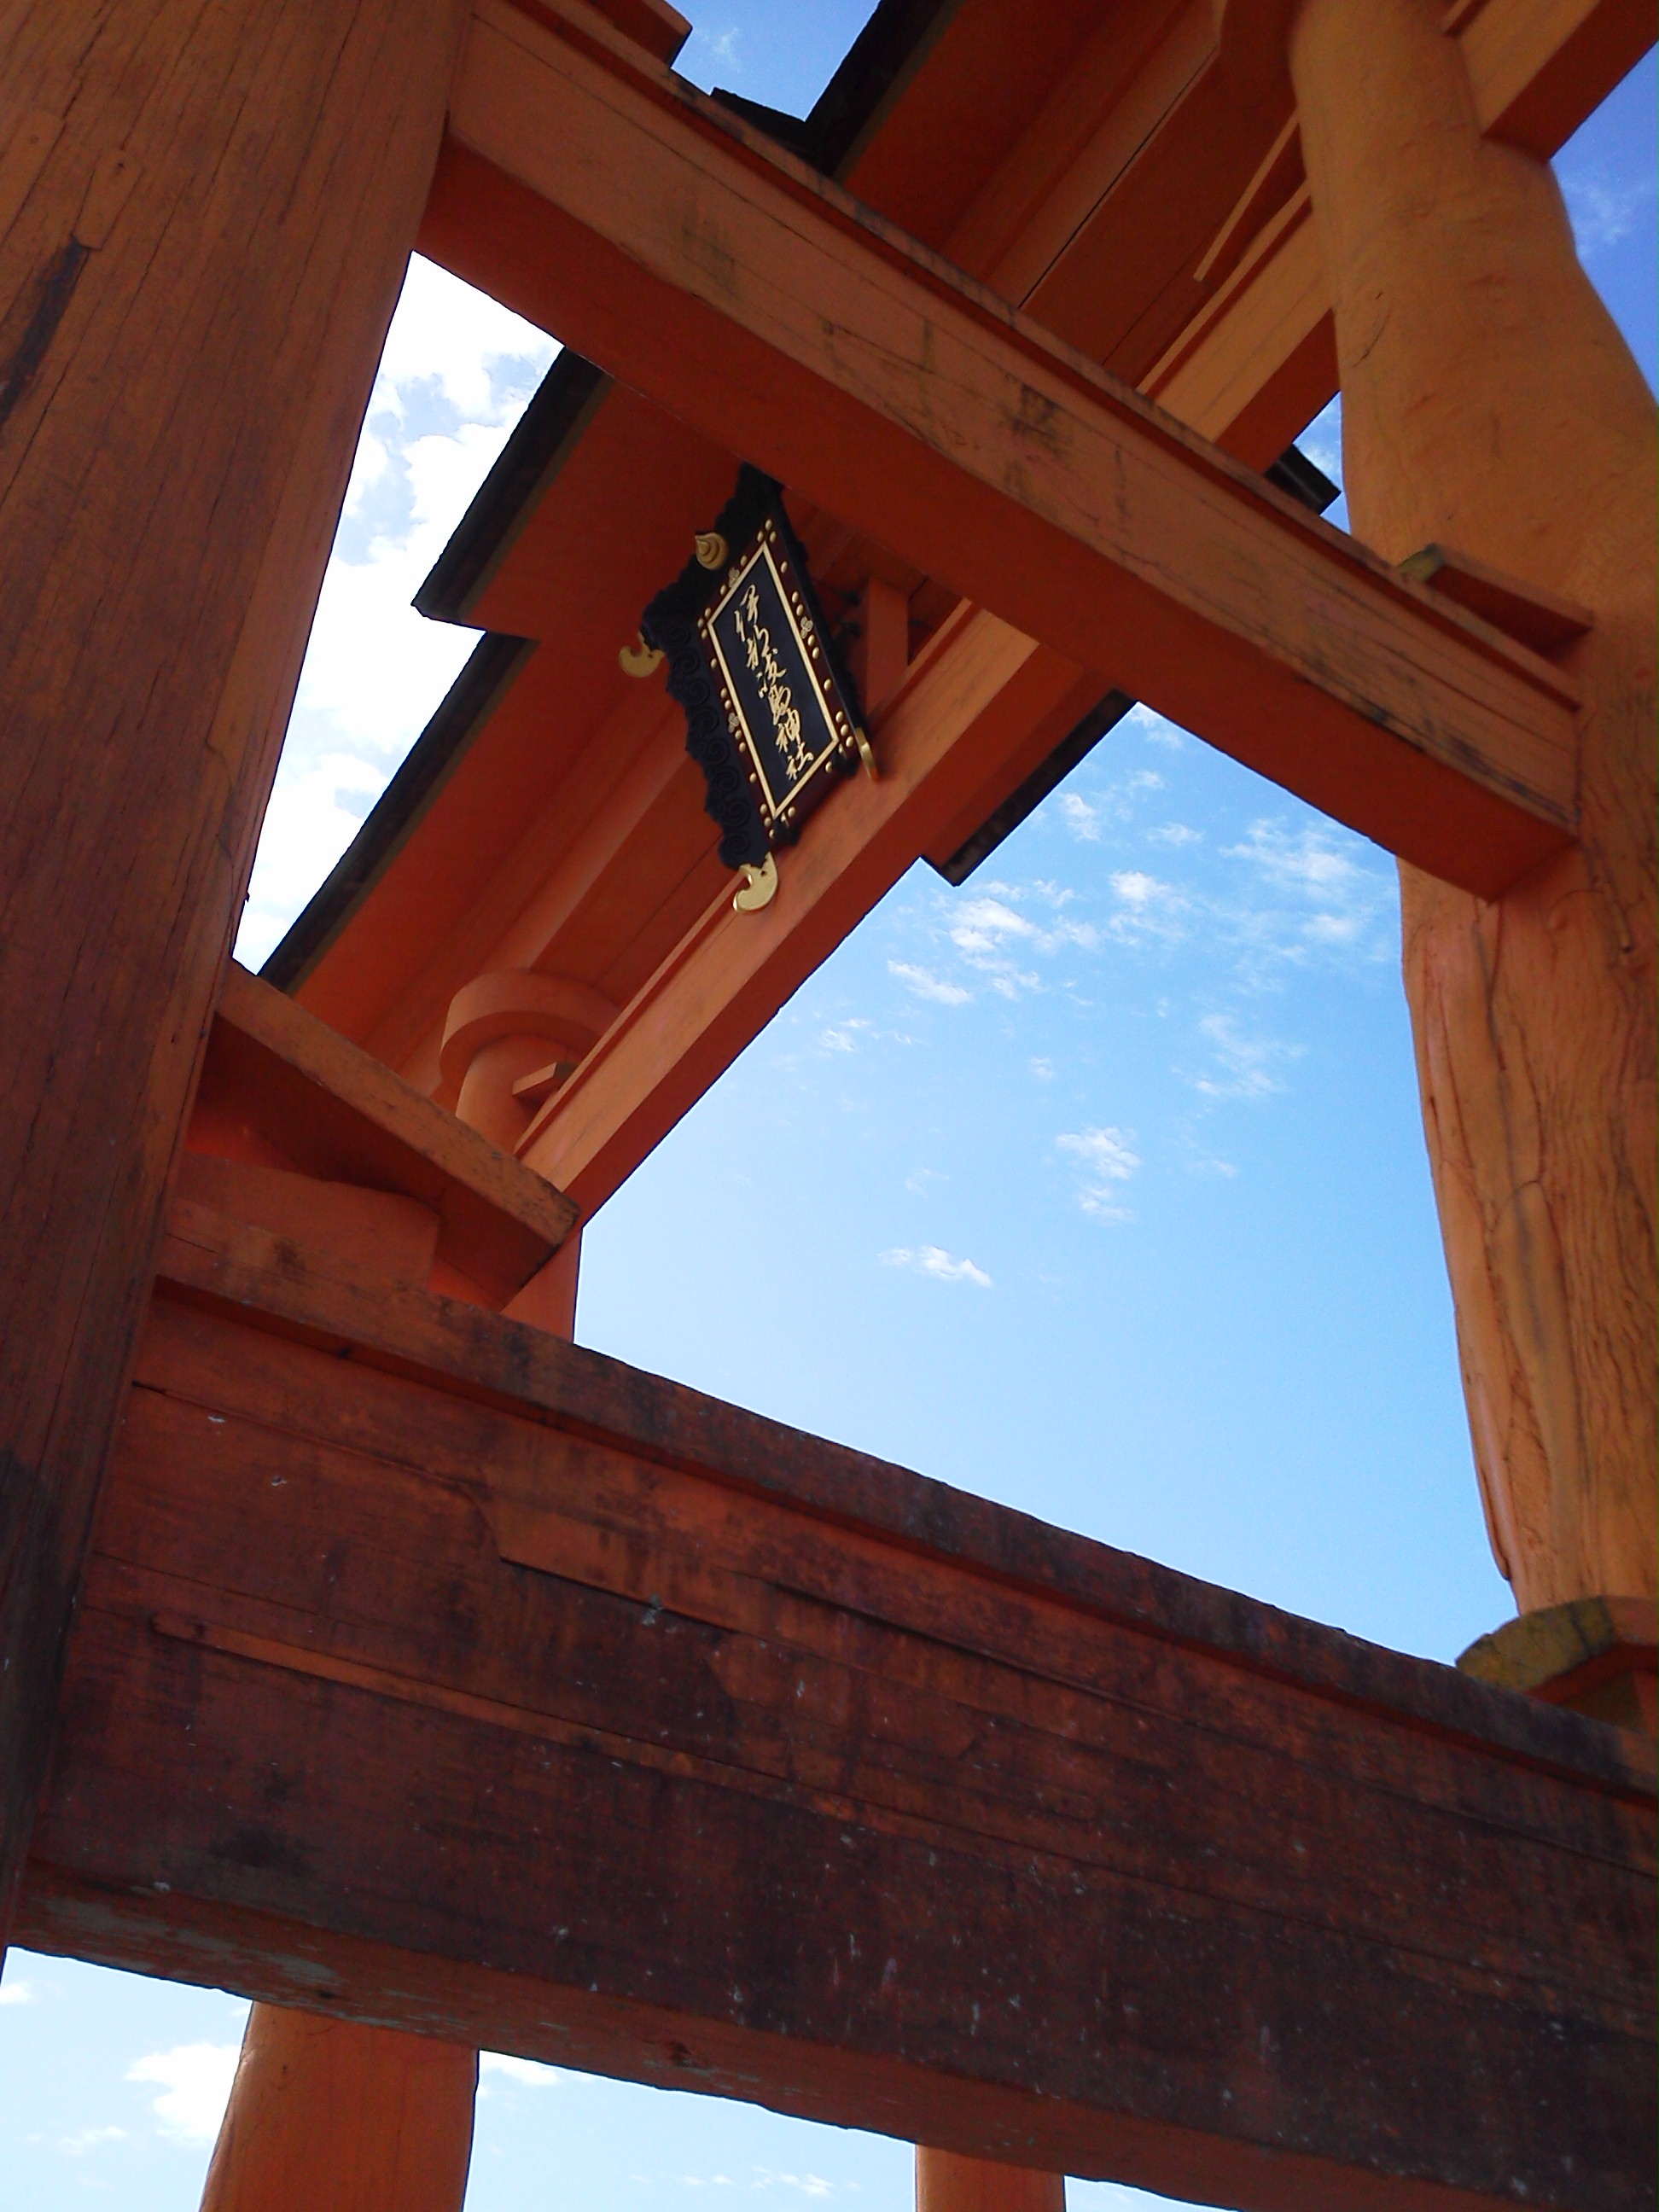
x=641, y=659
x=760, y=887
x=712, y=548
x=867, y=755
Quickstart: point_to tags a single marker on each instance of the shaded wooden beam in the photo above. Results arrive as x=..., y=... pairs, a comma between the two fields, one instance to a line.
x=596, y=193
x=441, y=1675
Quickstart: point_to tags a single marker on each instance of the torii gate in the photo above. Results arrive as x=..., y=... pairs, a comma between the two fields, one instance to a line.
x=206, y=222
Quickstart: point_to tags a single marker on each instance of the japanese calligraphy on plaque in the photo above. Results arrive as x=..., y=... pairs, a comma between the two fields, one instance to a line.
x=771, y=716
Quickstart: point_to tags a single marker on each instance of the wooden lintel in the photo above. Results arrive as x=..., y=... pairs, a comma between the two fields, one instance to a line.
x=443, y=1674
x=599, y=195
x=331, y=1109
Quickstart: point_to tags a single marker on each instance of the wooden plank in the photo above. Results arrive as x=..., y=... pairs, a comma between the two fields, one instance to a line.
x=208, y=213
x=979, y=694
x=614, y=204
x=474, y=1683
x=336, y=1111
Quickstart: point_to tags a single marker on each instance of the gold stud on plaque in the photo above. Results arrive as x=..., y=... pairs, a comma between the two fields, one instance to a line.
x=711, y=549
x=640, y=660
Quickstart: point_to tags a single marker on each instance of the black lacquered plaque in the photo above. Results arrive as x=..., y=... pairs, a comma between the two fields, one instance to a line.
x=771, y=717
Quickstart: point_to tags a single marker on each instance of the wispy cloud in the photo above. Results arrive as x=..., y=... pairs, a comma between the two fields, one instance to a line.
x=1154, y=726
x=993, y=936
x=85, y=2139
x=1106, y=1159
x=456, y=372
x=1147, y=908
x=195, y=2081
x=844, y=1037
x=724, y=47
x=16, y=1993
x=1242, y=1066
x=1082, y=819
x=930, y=1260
x=1604, y=210
x=926, y=985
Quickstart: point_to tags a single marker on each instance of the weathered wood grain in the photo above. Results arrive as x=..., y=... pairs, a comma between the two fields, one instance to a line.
x=462, y=1680
x=612, y=202
x=207, y=227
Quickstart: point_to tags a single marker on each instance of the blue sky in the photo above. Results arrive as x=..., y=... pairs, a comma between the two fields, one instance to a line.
x=1109, y=1201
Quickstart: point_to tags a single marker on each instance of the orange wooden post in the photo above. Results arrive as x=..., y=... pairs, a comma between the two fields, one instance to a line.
x=946, y=2182
x=336, y=2118
x=1489, y=404
x=204, y=218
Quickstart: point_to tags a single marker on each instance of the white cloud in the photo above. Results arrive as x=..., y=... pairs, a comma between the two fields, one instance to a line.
x=1153, y=725
x=842, y=1036
x=1244, y=1065
x=724, y=47
x=987, y=930
x=1148, y=909
x=528, y=2070
x=445, y=333
x=1603, y=210
x=456, y=372
x=195, y=2080
x=1080, y=818
x=1323, y=866
x=1043, y=1070
x=1106, y=1159
x=930, y=1260
x=926, y=985
x=1175, y=833
x=16, y=1993
x=85, y=2139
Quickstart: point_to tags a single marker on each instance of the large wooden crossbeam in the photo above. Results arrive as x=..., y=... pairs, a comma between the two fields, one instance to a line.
x=453, y=1678
x=593, y=191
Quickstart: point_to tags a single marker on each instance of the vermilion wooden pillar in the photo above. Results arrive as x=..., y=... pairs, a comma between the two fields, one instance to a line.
x=335, y=2117
x=206, y=213
x=946, y=2182
x=1490, y=403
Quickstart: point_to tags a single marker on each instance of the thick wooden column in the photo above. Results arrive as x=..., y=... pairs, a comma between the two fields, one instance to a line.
x=947, y=2181
x=205, y=214
x=338, y=2117
x=1490, y=403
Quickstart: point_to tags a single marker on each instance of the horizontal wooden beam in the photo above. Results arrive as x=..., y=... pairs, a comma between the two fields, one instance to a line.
x=596, y=193
x=982, y=701
x=451, y=1677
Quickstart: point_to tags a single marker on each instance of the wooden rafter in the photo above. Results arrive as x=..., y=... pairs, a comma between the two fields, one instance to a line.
x=509, y=1694
x=590, y=189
